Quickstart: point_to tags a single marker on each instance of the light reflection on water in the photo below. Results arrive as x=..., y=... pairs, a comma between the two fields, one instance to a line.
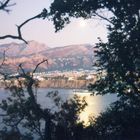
x=96, y=104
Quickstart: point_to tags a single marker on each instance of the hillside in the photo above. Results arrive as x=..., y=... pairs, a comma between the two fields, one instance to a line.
x=18, y=50
x=60, y=58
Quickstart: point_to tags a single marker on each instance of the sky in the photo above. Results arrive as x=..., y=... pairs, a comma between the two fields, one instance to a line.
x=79, y=31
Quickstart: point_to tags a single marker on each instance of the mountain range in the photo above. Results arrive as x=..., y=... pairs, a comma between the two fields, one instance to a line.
x=71, y=57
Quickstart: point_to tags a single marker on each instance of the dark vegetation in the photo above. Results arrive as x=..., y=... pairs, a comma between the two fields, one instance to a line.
x=25, y=118
x=118, y=71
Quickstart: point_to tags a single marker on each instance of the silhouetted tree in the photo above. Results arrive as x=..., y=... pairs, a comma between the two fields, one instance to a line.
x=4, y=6
x=120, y=121
x=68, y=118
x=119, y=58
x=118, y=69
x=22, y=111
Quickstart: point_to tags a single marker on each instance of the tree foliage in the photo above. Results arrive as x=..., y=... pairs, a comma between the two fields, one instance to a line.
x=120, y=121
x=24, y=117
x=119, y=58
x=118, y=61
x=119, y=72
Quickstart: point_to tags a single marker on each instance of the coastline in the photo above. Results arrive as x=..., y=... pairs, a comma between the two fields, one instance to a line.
x=65, y=84
x=62, y=83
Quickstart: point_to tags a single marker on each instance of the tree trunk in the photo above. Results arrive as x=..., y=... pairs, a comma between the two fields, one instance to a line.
x=47, y=129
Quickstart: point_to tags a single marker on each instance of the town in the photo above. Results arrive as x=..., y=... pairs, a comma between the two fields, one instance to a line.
x=66, y=75
x=77, y=79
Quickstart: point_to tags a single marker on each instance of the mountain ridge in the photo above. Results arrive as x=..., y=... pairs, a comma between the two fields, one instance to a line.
x=68, y=57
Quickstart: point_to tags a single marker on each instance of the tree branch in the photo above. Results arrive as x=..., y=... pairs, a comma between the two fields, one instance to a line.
x=45, y=60
x=20, y=66
x=43, y=15
x=5, y=4
x=104, y=18
x=30, y=83
x=3, y=60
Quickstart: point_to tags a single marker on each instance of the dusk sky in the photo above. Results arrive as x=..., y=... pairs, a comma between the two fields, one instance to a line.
x=78, y=31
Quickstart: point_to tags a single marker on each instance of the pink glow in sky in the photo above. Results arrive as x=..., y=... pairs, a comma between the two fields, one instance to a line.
x=43, y=30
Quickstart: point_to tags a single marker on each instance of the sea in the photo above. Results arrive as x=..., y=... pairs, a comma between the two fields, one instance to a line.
x=96, y=103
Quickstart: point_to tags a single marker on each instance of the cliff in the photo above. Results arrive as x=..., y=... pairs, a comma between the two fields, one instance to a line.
x=76, y=84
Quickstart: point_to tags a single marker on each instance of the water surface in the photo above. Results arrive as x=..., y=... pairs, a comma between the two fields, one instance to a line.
x=96, y=104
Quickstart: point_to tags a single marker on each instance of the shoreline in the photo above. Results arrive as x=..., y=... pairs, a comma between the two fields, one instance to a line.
x=57, y=84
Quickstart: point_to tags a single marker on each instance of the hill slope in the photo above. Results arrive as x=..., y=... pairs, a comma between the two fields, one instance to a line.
x=70, y=57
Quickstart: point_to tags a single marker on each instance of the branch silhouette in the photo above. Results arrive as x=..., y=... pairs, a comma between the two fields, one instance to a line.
x=19, y=36
x=4, y=5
